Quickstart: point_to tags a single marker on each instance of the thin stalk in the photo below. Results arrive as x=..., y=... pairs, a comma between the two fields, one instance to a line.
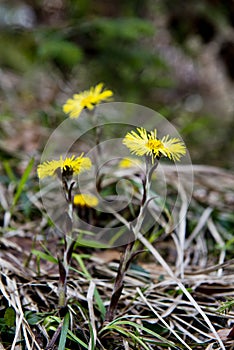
x=64, y=263
x=118, y=285
x=98, y=155
x=128, y=254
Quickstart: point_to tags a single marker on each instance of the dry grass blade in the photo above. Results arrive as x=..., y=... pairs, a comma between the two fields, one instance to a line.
x=202, y=222
x=217, y=237
x=90, y=295
x=162, y=319
x=181, y=230
x=189, y=326
x=126, y=345
x=11, y=293
x=159, y=258
x=3, y=199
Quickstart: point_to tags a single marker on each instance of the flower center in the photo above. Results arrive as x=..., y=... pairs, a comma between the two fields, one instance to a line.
x=154, y=145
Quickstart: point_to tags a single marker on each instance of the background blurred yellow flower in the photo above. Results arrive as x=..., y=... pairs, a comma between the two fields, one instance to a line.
x=85, y=200
x=129, y=163
x=86, y=99
x=68, y=166
x=147, y=143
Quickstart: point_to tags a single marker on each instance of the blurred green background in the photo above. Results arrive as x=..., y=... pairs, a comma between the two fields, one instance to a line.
x=175, y=57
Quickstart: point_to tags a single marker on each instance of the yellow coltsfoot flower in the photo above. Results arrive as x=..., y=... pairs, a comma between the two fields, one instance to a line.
x=129, y=163
x=86, y=99
x=146, y=143
x=64, y=167
x=85, y=200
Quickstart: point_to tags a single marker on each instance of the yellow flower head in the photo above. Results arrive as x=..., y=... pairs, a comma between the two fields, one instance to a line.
x=146, y=143
x=129, y=163
x=67, y=167
x=85, y=200
x=86, y=99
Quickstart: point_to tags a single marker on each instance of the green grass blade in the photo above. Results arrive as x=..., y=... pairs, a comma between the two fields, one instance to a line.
x=131, y=335
x=100, y=304
x=44, y=256
x=90, y=243
x=116, y=325
x=23, y=181
x=64, y=331
x=76, y=339
x=9, y=171
x=147, y=330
